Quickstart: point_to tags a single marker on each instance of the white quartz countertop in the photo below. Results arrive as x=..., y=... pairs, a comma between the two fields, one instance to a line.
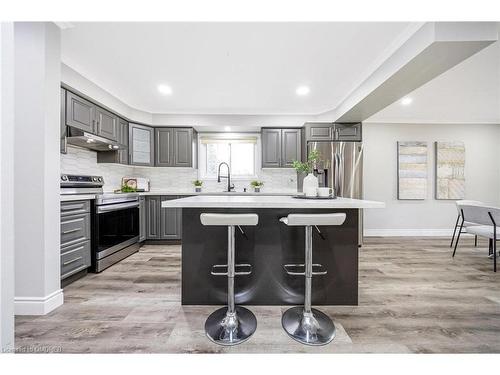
x=267, y=201
x=192, y=192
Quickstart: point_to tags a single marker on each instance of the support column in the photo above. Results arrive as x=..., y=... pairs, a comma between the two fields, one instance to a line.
x=6, y=187
x=37, y=168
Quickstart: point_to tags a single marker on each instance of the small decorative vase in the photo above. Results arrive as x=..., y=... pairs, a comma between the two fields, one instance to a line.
x=310, y=185
x=257, y=189
x=197, y=189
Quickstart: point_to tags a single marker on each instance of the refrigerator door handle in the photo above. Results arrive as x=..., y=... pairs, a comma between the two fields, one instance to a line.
x=337, y=174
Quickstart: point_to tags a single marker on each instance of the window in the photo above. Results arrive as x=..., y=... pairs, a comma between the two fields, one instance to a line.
x=239, y=152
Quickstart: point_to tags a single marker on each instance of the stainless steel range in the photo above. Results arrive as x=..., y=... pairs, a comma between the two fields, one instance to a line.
x=115, y=220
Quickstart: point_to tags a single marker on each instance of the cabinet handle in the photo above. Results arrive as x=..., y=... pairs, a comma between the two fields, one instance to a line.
x=71, y=231
x=72, y=261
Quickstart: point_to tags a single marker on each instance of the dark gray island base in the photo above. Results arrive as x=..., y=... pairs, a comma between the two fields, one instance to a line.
x=267, y=248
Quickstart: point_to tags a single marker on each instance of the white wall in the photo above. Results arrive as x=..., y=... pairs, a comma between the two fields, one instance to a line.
x=6, y=187
x=428, y=216
x=37, y=167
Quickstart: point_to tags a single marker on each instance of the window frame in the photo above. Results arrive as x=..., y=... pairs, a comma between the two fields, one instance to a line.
x=202, y=155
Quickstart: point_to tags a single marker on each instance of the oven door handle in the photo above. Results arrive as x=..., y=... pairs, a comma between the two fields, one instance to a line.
x=116, y=207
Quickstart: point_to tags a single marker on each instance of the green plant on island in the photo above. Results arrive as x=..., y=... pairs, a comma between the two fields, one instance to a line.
x=197, y=183
x=307, y=166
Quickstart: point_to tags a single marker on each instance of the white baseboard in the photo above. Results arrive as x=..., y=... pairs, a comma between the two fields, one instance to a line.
x=408, y=232
x=38, y=305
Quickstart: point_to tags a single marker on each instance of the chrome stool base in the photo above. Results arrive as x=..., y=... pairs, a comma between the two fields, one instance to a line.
x=314, y=328
x=228, y=329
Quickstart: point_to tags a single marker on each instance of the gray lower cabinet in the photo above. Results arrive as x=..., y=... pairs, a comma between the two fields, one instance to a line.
x=170, y=221
x=80, y=113
x=153, y=217
x=162, y=223
x=142, y=219
x=280, y=147
x=75, y=237
x=141, y=145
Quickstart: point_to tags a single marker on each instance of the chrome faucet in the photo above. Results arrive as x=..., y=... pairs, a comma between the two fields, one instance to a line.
x=230, y=187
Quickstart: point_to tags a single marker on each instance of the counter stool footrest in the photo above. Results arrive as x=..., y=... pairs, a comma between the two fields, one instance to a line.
x=241, y=269
x=300, y=269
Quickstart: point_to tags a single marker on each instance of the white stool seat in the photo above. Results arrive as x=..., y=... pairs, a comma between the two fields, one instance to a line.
x=229, y=219
x=314, y=219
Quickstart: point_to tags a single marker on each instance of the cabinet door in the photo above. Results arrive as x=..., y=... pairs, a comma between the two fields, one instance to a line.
x=80, y=113
x=271, y=148
x=141, y=150
x=153, y=217
x=290, y=146
x=142, y=219
x=106, y=124
x=183, y=147
x=348, y=131
x=63, y=122
x=318, y=131
x=164, y=147
x=170, y=223
x=123, y=140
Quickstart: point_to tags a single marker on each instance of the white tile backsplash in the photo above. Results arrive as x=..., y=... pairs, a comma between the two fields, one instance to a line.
x=83, y=161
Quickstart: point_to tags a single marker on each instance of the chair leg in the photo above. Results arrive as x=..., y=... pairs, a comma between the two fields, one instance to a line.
x=495, y=249
x=490, y=247
x=475, y=241
x=454, y=231
x=458, y=237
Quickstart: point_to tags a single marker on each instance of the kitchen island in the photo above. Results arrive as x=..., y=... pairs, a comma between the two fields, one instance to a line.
x=267, y=247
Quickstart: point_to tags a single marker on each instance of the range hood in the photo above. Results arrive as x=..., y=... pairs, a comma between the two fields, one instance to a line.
x=77, y=137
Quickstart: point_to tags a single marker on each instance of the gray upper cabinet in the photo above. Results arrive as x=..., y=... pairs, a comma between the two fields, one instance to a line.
x=271, y=148
x=183, y=144
x=290, y=146
x=318, y=131
x=164, y=151
x=106, y=124
x=141, y=145
x=174, y=147
x=120, y=156
x=348, y=131
x=280, y=147
x=80, y=113
x=123, y=140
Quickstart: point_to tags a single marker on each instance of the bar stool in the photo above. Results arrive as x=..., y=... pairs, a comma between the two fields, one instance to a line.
x=232, y=324
x=303, y=323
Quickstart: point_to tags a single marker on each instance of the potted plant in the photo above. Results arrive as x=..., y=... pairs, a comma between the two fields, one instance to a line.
x=305, y=173
x=197, y=185
x=256, y=185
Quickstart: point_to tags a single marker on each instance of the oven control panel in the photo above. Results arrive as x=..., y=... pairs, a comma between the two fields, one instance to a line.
x=68, y=180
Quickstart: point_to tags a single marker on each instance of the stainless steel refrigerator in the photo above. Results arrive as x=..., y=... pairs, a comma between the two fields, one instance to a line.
x=341, y=168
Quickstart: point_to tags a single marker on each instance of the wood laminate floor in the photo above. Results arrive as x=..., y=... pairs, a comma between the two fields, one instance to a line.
x=413, y=297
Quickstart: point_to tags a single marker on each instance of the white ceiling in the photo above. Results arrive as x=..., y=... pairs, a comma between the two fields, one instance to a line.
x=228, y=68
x=467, y=93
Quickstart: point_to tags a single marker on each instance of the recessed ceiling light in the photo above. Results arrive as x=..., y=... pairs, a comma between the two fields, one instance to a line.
x=227, y=128
x=406, y=101
x=165, y=89
x=302, y=90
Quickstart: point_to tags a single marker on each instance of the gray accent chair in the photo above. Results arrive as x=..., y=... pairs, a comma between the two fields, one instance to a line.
x=487, y=220
x=465, y=224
